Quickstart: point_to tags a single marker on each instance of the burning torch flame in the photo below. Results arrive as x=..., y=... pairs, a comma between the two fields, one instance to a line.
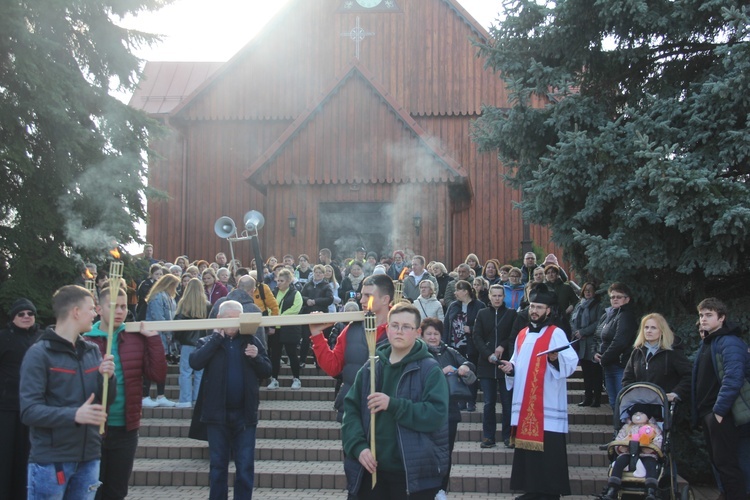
x=403, y=273
x=115, y=253
x=369, y=303
x=89, y=276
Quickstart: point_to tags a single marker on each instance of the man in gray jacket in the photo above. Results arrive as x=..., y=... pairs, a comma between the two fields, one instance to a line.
x=60, y=396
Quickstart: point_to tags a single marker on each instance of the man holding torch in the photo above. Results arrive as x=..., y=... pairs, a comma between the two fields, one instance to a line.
x=61, y=391
x=411, y=404
x=135, y=355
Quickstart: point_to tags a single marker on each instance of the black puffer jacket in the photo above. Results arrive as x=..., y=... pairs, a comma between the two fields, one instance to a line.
x=320, y=293
x=617, y=331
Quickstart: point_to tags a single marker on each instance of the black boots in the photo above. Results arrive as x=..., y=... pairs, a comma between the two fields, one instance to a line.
x=588, y=398
x=611, y=493
x=596, y=402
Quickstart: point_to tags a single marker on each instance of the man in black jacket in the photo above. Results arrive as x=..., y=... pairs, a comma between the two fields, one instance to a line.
x=234, y=366
x=494, y=337
x=15, y=340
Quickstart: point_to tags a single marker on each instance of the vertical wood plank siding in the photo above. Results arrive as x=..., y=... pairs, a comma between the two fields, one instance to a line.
x=352, y=149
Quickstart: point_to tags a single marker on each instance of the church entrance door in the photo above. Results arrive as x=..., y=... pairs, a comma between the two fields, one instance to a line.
x=346, y=226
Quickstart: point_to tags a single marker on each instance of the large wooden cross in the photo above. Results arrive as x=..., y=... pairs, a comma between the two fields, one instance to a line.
x=248, y=323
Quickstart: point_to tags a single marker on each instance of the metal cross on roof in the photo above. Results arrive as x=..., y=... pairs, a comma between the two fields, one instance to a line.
x=357, y=34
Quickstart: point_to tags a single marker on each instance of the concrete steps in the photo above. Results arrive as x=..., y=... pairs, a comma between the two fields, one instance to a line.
x=299, y=454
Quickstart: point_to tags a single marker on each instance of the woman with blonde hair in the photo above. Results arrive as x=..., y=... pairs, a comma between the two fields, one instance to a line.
x=443, y=278
x=658, y=358
x=331, y=278
x=473, y=262
x=192, y=305
x=161, y=307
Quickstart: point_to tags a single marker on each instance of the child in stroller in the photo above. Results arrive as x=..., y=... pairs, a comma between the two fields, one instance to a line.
x=638, y=445
x=640, y=453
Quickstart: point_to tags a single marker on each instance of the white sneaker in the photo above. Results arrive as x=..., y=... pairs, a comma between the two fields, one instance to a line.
x=186, y=404
x=163, y=401
x=274, y=384
x=441, y=495
x=149, y=403
x=296, y=384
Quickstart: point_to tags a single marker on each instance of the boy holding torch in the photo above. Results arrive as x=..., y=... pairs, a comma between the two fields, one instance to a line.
x=61, y=390
x=411, y=403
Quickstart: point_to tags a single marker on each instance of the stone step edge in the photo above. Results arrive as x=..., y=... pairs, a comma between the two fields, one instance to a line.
x=330, y=444
x=201, y=492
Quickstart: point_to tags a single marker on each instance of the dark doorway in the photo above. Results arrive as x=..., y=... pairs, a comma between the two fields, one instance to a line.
x=346, y=226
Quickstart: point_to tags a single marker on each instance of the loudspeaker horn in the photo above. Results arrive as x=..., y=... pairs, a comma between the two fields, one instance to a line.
x=254, y=221
x=224, y=227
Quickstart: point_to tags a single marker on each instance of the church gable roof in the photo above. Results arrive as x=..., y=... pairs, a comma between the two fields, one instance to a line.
x=163, y=85
x=355, y=132
x=422, y=55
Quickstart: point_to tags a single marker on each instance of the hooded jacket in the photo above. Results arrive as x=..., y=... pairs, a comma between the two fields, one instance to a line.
x=711, y=395
x=139, y=357
x=56, y=379
x=412, y=434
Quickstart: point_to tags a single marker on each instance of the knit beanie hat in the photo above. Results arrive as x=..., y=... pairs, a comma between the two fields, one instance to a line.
x=21, y=305
x=550, y=259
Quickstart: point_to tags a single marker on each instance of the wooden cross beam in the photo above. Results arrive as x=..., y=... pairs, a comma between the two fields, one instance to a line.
x=248, y=323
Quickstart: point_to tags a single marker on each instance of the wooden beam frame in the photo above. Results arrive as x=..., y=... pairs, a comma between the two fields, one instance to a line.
x=248, y=323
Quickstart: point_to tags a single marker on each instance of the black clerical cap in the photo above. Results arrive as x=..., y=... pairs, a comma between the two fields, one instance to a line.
x=540, y=294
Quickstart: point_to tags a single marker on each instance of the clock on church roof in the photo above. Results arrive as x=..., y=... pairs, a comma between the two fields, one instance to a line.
x=369, y=6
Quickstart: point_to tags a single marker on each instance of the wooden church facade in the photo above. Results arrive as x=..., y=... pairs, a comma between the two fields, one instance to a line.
x=352, y=117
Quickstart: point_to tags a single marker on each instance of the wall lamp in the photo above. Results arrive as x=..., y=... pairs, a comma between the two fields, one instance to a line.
x=293, y=224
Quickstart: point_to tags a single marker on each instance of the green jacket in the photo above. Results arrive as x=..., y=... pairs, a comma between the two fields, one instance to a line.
x=426, y=411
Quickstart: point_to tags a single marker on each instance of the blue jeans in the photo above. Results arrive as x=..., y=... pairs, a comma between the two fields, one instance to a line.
x=222, y=440
x=490, y=389
x=80, y=480
x=190, y=380
x=613, y=381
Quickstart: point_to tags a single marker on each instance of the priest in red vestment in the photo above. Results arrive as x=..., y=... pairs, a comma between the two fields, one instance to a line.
x=537, y=374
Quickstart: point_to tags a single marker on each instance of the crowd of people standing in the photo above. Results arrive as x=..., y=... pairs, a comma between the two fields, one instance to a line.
x=485, y=326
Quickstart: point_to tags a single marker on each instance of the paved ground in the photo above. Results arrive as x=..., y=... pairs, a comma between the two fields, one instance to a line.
x=201, y=493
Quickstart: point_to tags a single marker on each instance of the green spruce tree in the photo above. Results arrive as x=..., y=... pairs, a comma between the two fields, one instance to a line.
x=628, y=134
x=73, y=157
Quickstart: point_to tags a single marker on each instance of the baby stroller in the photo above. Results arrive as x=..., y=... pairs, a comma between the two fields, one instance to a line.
x=651, y=400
